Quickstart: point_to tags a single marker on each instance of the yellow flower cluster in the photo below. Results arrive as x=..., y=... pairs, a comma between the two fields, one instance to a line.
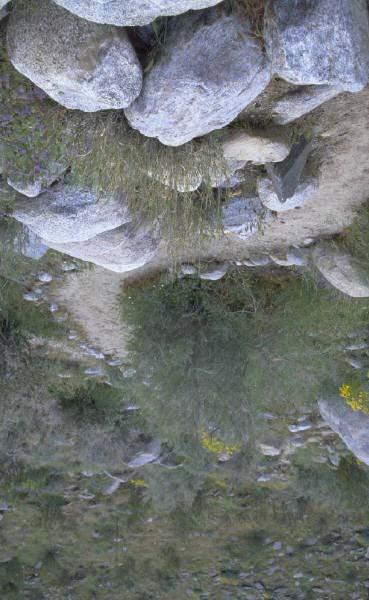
x=357, y=400
x=138, y=483
x=216, y=446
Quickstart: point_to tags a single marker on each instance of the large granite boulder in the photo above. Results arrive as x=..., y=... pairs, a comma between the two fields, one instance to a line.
x=342, y=271
x=124, y=249
x=131, y=12
x=80, y=64
x=66, y=214
x=351, y=425
x=323, y=42
x=211, y=68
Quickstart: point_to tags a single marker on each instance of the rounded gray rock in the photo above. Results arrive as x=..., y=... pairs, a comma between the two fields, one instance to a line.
x=124, y=249
x=131, y=12
x=80, y=64
x=66, y=214
x=211, y=68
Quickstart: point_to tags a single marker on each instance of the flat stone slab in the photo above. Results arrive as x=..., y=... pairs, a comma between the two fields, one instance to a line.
x=342, y=272
x=121, y=250
x=302, y=101
x=352, y=426
x=257, y=147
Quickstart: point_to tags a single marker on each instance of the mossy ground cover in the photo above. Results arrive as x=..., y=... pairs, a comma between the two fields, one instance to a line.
x=201, y=524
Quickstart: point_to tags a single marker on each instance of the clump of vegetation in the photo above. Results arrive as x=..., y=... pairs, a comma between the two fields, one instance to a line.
x=120, y=161
x=35, y=132
x=356, y=239
x=89, y=402
x=214, y=354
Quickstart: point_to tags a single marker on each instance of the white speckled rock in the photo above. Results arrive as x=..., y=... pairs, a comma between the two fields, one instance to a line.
x=352, y=426
x=257, y=147
x=121, y=250
x=69, y=214
x=80, y=64
x=342, y=271
x=304, y=192
x=323, y=42
x=131, y=12
x=211, y=68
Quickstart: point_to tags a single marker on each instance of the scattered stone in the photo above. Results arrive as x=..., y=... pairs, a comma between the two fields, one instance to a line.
x=114, y=486
x=258, y=261
x=355, y=364
x=299, y=427
x=257, y=147
x=79, y=64
x=342, y=272
x=131, y=12
x=242, y=216
x=53, y=307
x=129, y=373
x=66, y=214
x=45, y=277
x=69, y=267
x=293, y=258
x=269, y=450
x=94, y=372
x=151, y=453
x=121, y=250
x=318, y=43
x=301, y=101
x=211, y=69
x=31, y=296
x=216, y=273
x=304, y=192
x=352, y=426
x=188, y=270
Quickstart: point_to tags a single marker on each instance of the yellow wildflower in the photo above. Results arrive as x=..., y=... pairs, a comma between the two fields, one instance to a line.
x=138, y=483
x=357, y=400
x=216, y=446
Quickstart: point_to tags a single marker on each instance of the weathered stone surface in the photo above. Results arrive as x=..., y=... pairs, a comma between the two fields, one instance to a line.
x=121, y=250
x=286, y=175
x=3, y=8
x=352, y=426
x=66, y=214
x=78, y=63
x=342, y=271
x=214, y=272
x=304, y=192
x=257, y=147
x=301, y=101
x=33, y=186
x=212, y=67
x=131, y=12
x=186, y=182
x=323, y=42
x=242, y=216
